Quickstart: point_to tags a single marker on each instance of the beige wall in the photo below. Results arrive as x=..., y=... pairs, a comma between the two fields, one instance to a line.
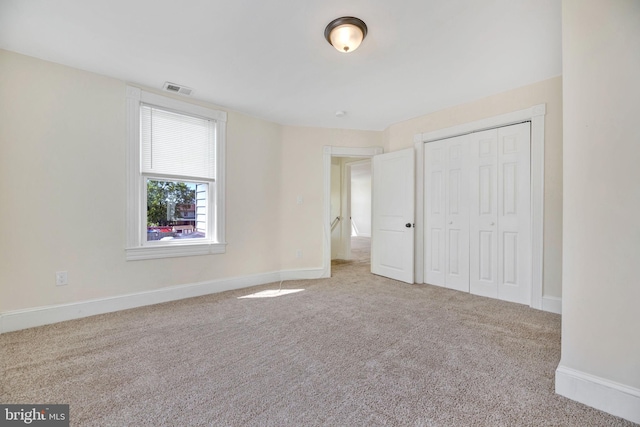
x=62, y=179
x=62, y=187
x=547, y=92
x=302, y=175
x=601, y=284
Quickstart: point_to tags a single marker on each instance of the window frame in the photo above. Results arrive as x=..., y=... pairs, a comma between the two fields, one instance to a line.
x=137, y=247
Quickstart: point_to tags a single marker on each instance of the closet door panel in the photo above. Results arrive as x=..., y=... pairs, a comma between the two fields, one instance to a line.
x=483, y=214
x=435, y=213
x=514, y=213
x=457, y=214
x=478, y=213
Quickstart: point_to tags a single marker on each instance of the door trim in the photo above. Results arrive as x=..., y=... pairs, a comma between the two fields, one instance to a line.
x=329, y=151
x=535, y=115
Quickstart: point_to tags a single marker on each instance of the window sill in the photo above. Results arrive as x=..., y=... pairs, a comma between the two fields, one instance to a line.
x=174, y=251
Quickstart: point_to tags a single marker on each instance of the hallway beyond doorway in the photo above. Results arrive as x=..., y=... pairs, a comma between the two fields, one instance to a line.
x=360, y=251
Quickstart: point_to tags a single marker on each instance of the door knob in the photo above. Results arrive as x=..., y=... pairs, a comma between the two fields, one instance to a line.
x=493, y=223
x=408, y=225
x=450, y=222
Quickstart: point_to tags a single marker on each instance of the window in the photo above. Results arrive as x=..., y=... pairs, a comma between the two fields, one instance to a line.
x=175, y=177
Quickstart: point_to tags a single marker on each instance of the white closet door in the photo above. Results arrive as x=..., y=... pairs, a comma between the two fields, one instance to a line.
x=447, y=213
x=435, y=214
x=500, y=223
x=514, y=213
x=457, y=214
x=478, y=213
x=483, y=223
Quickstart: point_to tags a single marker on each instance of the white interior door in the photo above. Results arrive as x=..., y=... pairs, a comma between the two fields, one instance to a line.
x=483, y=225
x=500, y=252
x=457, y=208
x=514, y=213
x=478, y=213
x=393, y=215
x=447, y=213
x=435, y=213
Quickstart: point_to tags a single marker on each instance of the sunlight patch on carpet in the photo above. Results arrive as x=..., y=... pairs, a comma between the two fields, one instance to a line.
x=270, y=293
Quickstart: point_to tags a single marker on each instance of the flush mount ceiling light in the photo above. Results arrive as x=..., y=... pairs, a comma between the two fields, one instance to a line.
x=346, y=33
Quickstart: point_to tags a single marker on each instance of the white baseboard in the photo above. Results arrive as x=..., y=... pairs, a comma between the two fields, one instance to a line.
x=608, y=396
x=317, y=273
x=552, y=304
x=32, y=317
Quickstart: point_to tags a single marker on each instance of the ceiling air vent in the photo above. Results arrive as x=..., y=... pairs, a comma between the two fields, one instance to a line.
x=172, y=87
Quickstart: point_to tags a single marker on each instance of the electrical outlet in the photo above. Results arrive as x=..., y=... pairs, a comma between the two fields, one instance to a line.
x=299, y=253
x=61, y=278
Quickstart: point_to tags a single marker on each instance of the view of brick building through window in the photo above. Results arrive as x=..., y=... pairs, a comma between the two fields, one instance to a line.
x=176, y=210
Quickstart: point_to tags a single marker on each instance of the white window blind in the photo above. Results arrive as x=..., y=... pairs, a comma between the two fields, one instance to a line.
x=177, y=144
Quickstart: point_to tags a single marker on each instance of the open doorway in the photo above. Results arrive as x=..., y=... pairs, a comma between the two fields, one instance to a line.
x=337, y=212
x=350, y=209
x=358, y=175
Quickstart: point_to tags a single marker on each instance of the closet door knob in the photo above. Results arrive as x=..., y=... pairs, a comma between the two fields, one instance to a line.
x=493, y=223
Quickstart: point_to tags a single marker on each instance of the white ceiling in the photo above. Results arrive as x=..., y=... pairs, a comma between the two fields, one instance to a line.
x=269, y=58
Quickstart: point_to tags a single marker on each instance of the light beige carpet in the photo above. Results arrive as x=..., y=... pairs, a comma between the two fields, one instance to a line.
x=353, y=350
x=361, y=249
